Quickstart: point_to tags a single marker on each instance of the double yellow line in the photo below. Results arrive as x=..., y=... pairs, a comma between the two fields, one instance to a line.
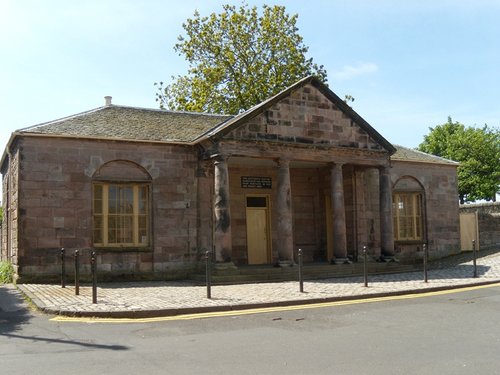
x=268, y=309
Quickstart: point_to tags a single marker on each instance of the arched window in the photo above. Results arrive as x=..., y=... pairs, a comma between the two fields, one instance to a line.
x=121, y=205
x=408, y=210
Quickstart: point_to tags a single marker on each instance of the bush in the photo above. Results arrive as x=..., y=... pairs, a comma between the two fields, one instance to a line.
x=6, y=273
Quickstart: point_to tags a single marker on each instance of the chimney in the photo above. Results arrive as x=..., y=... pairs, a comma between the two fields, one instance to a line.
x=107, y=100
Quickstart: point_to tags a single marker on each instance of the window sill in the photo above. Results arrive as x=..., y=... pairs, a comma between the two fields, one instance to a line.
x=409, y=242
x=124, y=249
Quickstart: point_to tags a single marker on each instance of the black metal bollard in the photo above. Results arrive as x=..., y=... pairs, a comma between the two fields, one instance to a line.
x=63, y=268
x=93, y=267
x=301, y=276
x=474, y=257
x=77, y=273
x=424, y=246
x=208, y=266
x=365, y=271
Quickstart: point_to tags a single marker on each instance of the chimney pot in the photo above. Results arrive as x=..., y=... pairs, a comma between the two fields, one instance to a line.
x=107, y=100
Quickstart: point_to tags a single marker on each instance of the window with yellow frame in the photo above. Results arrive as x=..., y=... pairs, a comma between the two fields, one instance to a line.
x=407, y=213
x=121, y=215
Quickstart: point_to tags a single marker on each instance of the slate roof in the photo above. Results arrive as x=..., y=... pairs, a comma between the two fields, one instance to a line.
x=141, y=124
x=408, y=154
x=144, y=124
x=131, y=123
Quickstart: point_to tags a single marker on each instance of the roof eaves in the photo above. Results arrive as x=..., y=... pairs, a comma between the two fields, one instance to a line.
x=6, y=151
x=100, y=138
x=426, y=158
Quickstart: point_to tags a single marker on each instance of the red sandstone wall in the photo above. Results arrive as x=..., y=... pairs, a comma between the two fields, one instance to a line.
x=306, y=116
x=368, y=210
x=5, y=208
x=309, y=187
x=10, y=183
x=441, y=205
x=307, y=204
x=238, y=207
x=55, y=204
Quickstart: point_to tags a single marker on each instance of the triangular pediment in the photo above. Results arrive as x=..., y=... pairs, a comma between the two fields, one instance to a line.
x=307, y=113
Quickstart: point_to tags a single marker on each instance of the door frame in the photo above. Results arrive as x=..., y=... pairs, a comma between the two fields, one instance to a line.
x=267, y=210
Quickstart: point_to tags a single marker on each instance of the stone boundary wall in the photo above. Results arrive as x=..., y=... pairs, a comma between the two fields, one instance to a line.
x=488, y=216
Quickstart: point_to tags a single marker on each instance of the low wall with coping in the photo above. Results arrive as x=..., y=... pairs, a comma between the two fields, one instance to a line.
x=488, y=217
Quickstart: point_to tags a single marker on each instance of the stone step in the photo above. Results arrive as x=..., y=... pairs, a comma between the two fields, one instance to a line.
x=254, y=274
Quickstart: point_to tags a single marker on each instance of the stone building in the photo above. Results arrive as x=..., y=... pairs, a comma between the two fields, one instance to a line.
x=151, y=190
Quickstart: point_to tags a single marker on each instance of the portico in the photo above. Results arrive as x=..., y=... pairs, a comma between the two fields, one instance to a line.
x=298, y=201
x=314, y=152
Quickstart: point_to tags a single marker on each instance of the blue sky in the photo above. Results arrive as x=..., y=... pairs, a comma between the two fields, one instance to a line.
x=408, y=64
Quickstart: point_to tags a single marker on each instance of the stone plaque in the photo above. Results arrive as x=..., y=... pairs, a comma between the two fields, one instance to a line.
x=254, y=182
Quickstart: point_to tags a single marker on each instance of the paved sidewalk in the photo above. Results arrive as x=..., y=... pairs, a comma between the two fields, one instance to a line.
x=150, y=299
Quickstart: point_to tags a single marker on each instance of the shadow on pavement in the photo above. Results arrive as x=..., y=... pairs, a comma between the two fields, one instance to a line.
x=463, y=257
x=14, y=311
x=69, y=342
x=463, y=271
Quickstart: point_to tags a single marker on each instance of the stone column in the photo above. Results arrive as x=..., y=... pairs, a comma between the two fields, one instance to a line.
x=222, y=214
x=386, y=223
x=284, y=207
x=338, y=212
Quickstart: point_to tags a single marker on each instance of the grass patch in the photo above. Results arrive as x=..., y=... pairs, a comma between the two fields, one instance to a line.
x=6, y=273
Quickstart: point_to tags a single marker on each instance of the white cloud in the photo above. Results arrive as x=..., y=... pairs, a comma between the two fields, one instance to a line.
x=350, y=71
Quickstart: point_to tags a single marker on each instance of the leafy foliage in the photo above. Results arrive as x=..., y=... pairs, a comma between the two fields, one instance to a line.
x=477, y=150
x=6, y=273
x=237, y=59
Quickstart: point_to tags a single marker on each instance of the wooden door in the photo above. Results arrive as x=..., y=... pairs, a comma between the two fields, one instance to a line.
x=257, y=217
x=469, y=230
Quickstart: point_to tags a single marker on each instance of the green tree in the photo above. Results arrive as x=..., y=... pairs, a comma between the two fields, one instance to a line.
x=237, y=58
x=477, y=150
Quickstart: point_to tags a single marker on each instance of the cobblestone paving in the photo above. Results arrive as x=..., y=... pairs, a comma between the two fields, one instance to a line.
x=178, y=297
